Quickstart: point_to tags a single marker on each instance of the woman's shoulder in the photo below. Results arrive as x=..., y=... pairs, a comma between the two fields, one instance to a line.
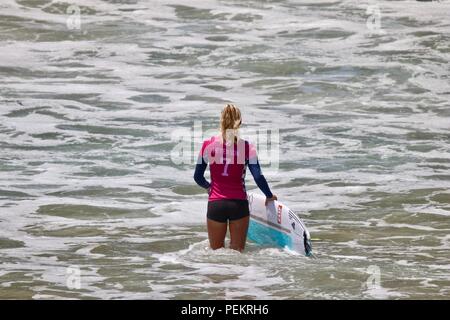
x=252, y=149
x=211, y=140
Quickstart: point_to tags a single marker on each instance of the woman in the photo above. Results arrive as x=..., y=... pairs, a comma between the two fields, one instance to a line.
x=228, y=156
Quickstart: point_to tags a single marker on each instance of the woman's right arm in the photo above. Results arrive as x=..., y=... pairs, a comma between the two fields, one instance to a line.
x=255, y=169
x=260, y=180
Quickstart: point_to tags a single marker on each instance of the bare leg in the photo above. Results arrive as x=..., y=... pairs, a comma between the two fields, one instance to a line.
x=216, y=233
x=238, y=233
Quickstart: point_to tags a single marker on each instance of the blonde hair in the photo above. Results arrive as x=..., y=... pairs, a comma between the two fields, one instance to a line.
x=230, y=121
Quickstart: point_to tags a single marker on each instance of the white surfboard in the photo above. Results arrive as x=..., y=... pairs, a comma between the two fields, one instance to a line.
x=277, y=225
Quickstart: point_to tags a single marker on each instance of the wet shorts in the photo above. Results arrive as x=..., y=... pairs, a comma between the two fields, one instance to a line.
x=227, y=209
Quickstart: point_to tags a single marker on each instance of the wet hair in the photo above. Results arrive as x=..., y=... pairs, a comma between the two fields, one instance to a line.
x=230, y=121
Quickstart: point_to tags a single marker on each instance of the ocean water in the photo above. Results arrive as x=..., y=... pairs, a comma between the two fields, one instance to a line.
x=92, y=204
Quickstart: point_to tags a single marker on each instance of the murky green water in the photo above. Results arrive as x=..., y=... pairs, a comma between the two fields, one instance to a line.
x=87, y=182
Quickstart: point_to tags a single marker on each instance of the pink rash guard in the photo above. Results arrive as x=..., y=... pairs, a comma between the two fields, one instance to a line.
x=227, y=166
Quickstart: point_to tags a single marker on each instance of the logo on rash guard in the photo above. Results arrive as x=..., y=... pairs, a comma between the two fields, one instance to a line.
x=280, y=208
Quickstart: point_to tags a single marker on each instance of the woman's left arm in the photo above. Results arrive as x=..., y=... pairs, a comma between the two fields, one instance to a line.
x=199, y=174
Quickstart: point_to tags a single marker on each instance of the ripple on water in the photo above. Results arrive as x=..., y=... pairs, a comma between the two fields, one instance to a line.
x=90, y=212
x=6, y=243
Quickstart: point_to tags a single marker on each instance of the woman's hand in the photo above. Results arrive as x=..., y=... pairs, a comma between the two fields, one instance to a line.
x=274, y=197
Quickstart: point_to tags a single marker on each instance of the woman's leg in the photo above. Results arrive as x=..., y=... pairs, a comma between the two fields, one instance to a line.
x=238, y=233
x=216, y=233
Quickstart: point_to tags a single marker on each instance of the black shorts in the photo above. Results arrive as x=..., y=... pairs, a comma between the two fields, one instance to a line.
x=227, y=209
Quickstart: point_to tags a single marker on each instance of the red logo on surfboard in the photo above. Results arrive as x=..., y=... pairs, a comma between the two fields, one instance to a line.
x=280, y=208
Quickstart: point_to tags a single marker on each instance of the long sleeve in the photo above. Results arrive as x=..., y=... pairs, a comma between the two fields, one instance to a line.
x=199, y=174
x=260, y=180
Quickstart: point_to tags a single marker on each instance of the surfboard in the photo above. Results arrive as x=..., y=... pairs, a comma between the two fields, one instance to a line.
x=276, y=225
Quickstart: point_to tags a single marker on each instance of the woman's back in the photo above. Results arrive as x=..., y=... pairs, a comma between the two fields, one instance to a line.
x=227, y=166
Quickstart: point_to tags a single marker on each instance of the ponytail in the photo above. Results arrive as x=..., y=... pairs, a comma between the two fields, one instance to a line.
x=230, y=121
